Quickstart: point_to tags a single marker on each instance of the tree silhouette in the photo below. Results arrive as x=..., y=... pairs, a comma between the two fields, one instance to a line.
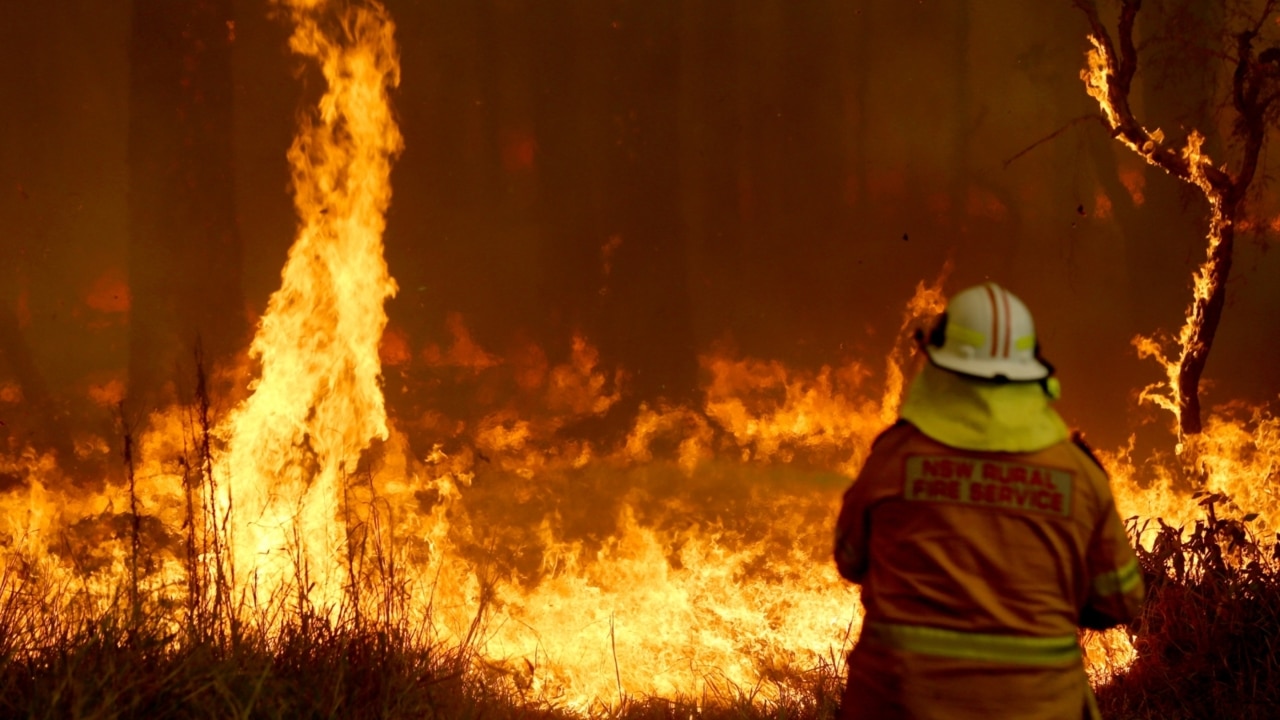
x=1254, y=89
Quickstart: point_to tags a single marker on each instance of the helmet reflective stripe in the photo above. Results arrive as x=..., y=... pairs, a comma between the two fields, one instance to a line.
x=965, y=335
x=1004, y=301
x=992, y=290
x=1000, y=320
x=1008, y=351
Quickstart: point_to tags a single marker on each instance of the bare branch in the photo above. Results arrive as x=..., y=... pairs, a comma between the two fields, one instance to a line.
x=1252, y=74
x=1244, y=51
x=1262, y=16
x=1070, y=124
x=1112, y=91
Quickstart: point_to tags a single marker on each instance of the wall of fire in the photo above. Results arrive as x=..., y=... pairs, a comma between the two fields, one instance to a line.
x=663, y=178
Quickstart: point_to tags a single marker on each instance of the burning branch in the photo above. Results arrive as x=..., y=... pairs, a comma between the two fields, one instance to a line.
x=1108, y=80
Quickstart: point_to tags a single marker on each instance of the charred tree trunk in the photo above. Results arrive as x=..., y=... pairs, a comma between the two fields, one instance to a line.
x=1206, y=313
x=1254, y=89
x=184, y=251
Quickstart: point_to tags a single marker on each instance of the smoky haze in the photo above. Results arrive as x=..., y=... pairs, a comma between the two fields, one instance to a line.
x=660, y=178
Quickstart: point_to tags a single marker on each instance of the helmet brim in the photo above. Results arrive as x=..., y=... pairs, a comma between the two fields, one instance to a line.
x=990, y=368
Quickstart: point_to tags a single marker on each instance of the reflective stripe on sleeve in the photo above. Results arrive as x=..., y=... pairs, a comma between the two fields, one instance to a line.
x=1120, y=580
x=1009, y=649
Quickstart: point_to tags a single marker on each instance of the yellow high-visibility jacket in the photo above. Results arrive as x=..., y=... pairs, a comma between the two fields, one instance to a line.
x=977, y=569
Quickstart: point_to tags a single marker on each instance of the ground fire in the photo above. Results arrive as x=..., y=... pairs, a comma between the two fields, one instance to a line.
x=578, y=549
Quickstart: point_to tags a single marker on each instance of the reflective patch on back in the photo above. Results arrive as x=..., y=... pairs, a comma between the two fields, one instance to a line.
x=988, y=483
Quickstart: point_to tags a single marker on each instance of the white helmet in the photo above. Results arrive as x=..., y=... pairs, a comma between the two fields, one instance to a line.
x=987, y=332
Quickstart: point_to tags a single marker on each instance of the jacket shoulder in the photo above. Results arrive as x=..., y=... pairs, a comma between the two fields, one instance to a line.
x=1098, y=479
x=1077, y=439
x=896, y=432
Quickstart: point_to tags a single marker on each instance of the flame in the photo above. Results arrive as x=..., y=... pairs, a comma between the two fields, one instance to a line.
x=1097, y=78
x=292, y=446
x=394, y=349
x=686, y=551
x=927, y=302
x=688, y=556
x=1235, y=458
x=691, y=556
x=463, y=353
x=1238, y=450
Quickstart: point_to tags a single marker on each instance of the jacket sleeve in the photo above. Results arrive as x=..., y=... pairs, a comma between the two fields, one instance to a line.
x=852, y=525
x=1115, y=589
x=851, y=530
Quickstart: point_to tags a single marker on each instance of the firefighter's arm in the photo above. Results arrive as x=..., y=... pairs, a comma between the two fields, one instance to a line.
x=1115, y=590
x=852, y=526
x=851, y=530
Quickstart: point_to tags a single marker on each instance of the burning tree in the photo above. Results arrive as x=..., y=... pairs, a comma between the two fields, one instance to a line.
x=1254, y=89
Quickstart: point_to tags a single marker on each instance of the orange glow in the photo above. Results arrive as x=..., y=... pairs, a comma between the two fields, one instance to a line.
x=1136, y=183
x=984, y=204
x=10, y=393
x=109, y=293
x=109, y=393
x=607, y=252
x=1101, y=205
x=519, y=150
x=23, y=309
x=463, y=353
x=394, y=348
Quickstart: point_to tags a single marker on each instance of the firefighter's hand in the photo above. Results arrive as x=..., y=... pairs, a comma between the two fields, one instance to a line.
x=1092, y=619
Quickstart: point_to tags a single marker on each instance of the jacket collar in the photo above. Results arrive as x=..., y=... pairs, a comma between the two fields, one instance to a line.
x=974, y=414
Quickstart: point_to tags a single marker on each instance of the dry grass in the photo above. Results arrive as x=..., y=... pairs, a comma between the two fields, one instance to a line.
x=1208, y=646
x=109, y=669
x=1208, y=641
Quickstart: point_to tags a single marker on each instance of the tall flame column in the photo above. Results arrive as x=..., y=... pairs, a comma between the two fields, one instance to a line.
x=318, y=403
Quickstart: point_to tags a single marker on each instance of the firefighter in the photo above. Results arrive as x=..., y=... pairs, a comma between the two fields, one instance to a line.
x=983, y=536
